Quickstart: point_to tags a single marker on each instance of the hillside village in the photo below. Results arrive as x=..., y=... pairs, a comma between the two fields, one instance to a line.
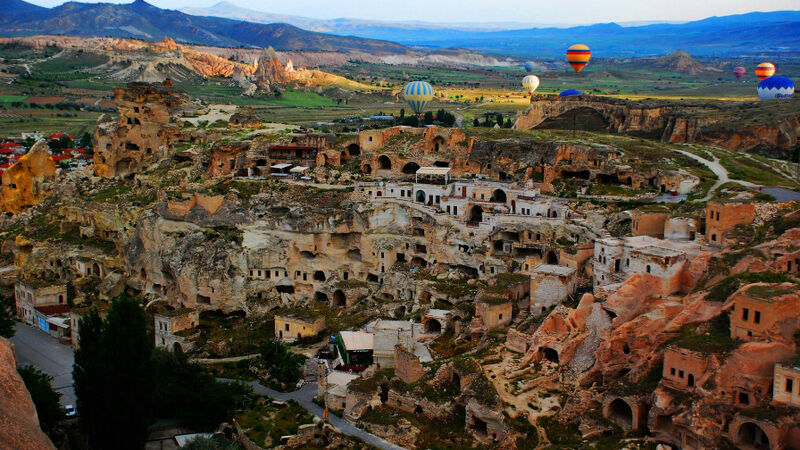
x=475, y=286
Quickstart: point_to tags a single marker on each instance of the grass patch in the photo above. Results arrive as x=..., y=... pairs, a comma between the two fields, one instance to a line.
x=266, y=423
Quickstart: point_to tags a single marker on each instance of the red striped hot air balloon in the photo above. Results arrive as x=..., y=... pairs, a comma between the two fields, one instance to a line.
x=765, y=70
x=739, y=72
x=578, y=56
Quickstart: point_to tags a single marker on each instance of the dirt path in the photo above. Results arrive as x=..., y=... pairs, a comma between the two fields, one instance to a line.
x=719, y=171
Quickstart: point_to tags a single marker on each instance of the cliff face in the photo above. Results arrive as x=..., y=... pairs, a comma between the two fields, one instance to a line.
x=24, y=183
x=19, y=425
x=709, y=123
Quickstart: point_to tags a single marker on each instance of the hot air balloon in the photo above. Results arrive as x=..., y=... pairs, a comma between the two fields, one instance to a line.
x=775, y=87
x=578, y=56
x=765, y=70
x=570, y=92
x=530, y=82
x=739, y=72
x=418, y=94
x=529, y=66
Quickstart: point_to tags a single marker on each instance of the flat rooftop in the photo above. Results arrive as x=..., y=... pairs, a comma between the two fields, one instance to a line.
x=552, y=269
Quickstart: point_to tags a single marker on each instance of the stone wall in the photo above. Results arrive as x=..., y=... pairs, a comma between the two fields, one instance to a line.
x=722, y=217
x=407, y=366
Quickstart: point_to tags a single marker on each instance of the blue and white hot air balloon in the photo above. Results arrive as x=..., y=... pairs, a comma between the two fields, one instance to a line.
x=529, y=66
x=418, y=94
x=775, y=87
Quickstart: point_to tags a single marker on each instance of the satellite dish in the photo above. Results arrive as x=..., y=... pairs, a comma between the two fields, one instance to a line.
x=380, y=184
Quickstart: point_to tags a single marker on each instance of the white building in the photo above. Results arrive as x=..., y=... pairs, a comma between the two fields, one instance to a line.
x=550, y=285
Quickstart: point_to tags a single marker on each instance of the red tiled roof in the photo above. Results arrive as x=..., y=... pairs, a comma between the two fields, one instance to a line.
x=58, y=158
x=5, y=166
x=53, y=310
x=6, y=151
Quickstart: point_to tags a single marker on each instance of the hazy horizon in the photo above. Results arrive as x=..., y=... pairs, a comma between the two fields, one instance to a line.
x=572, y=12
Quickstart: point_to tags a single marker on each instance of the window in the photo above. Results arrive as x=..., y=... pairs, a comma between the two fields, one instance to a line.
x=745, y=314
x=789, y=385
x=648, y=268
x=680, y=373
x=672, y=371
x=345, y=275
x=744, y=399
x=500, y=317
x=757, y=318
x=286, y=327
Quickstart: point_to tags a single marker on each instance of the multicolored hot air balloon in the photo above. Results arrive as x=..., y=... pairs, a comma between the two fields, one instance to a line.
x=775, y=87
x=765, y=70
x=530, y=83
x=578, y=56
x=529, y=66
x=418, y=94
x=739, y=72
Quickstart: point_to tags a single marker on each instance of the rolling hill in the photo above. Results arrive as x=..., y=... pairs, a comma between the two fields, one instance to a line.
x=142, y=20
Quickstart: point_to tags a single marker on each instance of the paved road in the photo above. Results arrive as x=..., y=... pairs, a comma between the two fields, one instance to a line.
x=305, y=395
x=36, y=348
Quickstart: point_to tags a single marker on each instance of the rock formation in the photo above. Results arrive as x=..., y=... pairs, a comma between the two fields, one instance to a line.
x=19, y=425
x=26, y=182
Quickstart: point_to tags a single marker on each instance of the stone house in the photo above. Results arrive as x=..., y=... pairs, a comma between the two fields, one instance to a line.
x=494, y=312
x=551, y=284
x=486, y=423
x=387, y=334
x=721, y=217
x=683, y=368
x=31, y=296
x=759, y=308
x=86, y=267
x=294, y=325
x=648, y=223
x=616, y=260
x=170, y=324
x=786, y=385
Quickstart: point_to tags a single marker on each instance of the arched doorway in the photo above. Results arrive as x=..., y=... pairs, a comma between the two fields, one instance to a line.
x=384, y=163
x=319, y=275
x=384, y=392
x=366, y=169
x=438, y=143
x=457, y=380
x=552, y=258
x=320, y=297
x=476, y=215
x=353, y=149
x=752, y=436
x=621, y=413
x=176, y=347
x=498, y=196
x=433, y=326
x=344, y=157
x=410, y=168
x=339, y=298
x=96, y=269
x=420, y=196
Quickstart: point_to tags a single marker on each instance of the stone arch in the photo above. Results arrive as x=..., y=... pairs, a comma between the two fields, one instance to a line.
x=419, y=262
x=339, y=298
x=384, y=163
x=751, y=436
x=96, y=269
x=476, y=215
x=319, y=275
x=550, y=354
x=410, y=168
x=456, y=379
x=620, y=412
x=366, y=168
x=420, y=196
x=176, y=347
x=438, y=143
x=498, y=196
x=552, y=257
x=344, y=157
x=320, y=297
x=433, y=326
x=353, y=149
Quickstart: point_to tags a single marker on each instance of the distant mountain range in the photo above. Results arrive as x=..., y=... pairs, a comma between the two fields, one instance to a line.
x=745, y=34
x=224, y=24
x=142, y=20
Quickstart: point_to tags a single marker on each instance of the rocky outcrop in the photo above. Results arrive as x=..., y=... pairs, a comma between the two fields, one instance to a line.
x=19, y=425
x=143, y=134
x=26, y=182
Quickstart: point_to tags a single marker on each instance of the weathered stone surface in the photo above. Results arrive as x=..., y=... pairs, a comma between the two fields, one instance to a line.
x=26, y=182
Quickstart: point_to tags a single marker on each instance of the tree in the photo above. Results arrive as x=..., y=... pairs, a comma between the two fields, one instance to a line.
x=6, y=322
x=476, y=122
x=210, y=443
x=113, y=377
x=281, y=363
x=402, y=113
x=428, y=118
x=46, y=400
x=499, y=120
x=86, y=141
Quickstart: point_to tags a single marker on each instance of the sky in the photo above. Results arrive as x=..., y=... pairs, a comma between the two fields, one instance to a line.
x=529, y=11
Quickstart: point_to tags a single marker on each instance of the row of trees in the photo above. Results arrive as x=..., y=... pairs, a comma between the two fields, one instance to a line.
x=123, y=384
x=490, y=120
x=441, y=117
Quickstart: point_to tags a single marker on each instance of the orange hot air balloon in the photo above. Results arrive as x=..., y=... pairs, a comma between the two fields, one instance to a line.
x=578, y=56
x=765, y=70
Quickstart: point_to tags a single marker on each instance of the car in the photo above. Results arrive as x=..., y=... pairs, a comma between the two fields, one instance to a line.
x=70, y=411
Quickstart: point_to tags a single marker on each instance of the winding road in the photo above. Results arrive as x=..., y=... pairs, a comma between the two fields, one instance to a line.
x=719, y=171
x=305, y=395
x=36, y=348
